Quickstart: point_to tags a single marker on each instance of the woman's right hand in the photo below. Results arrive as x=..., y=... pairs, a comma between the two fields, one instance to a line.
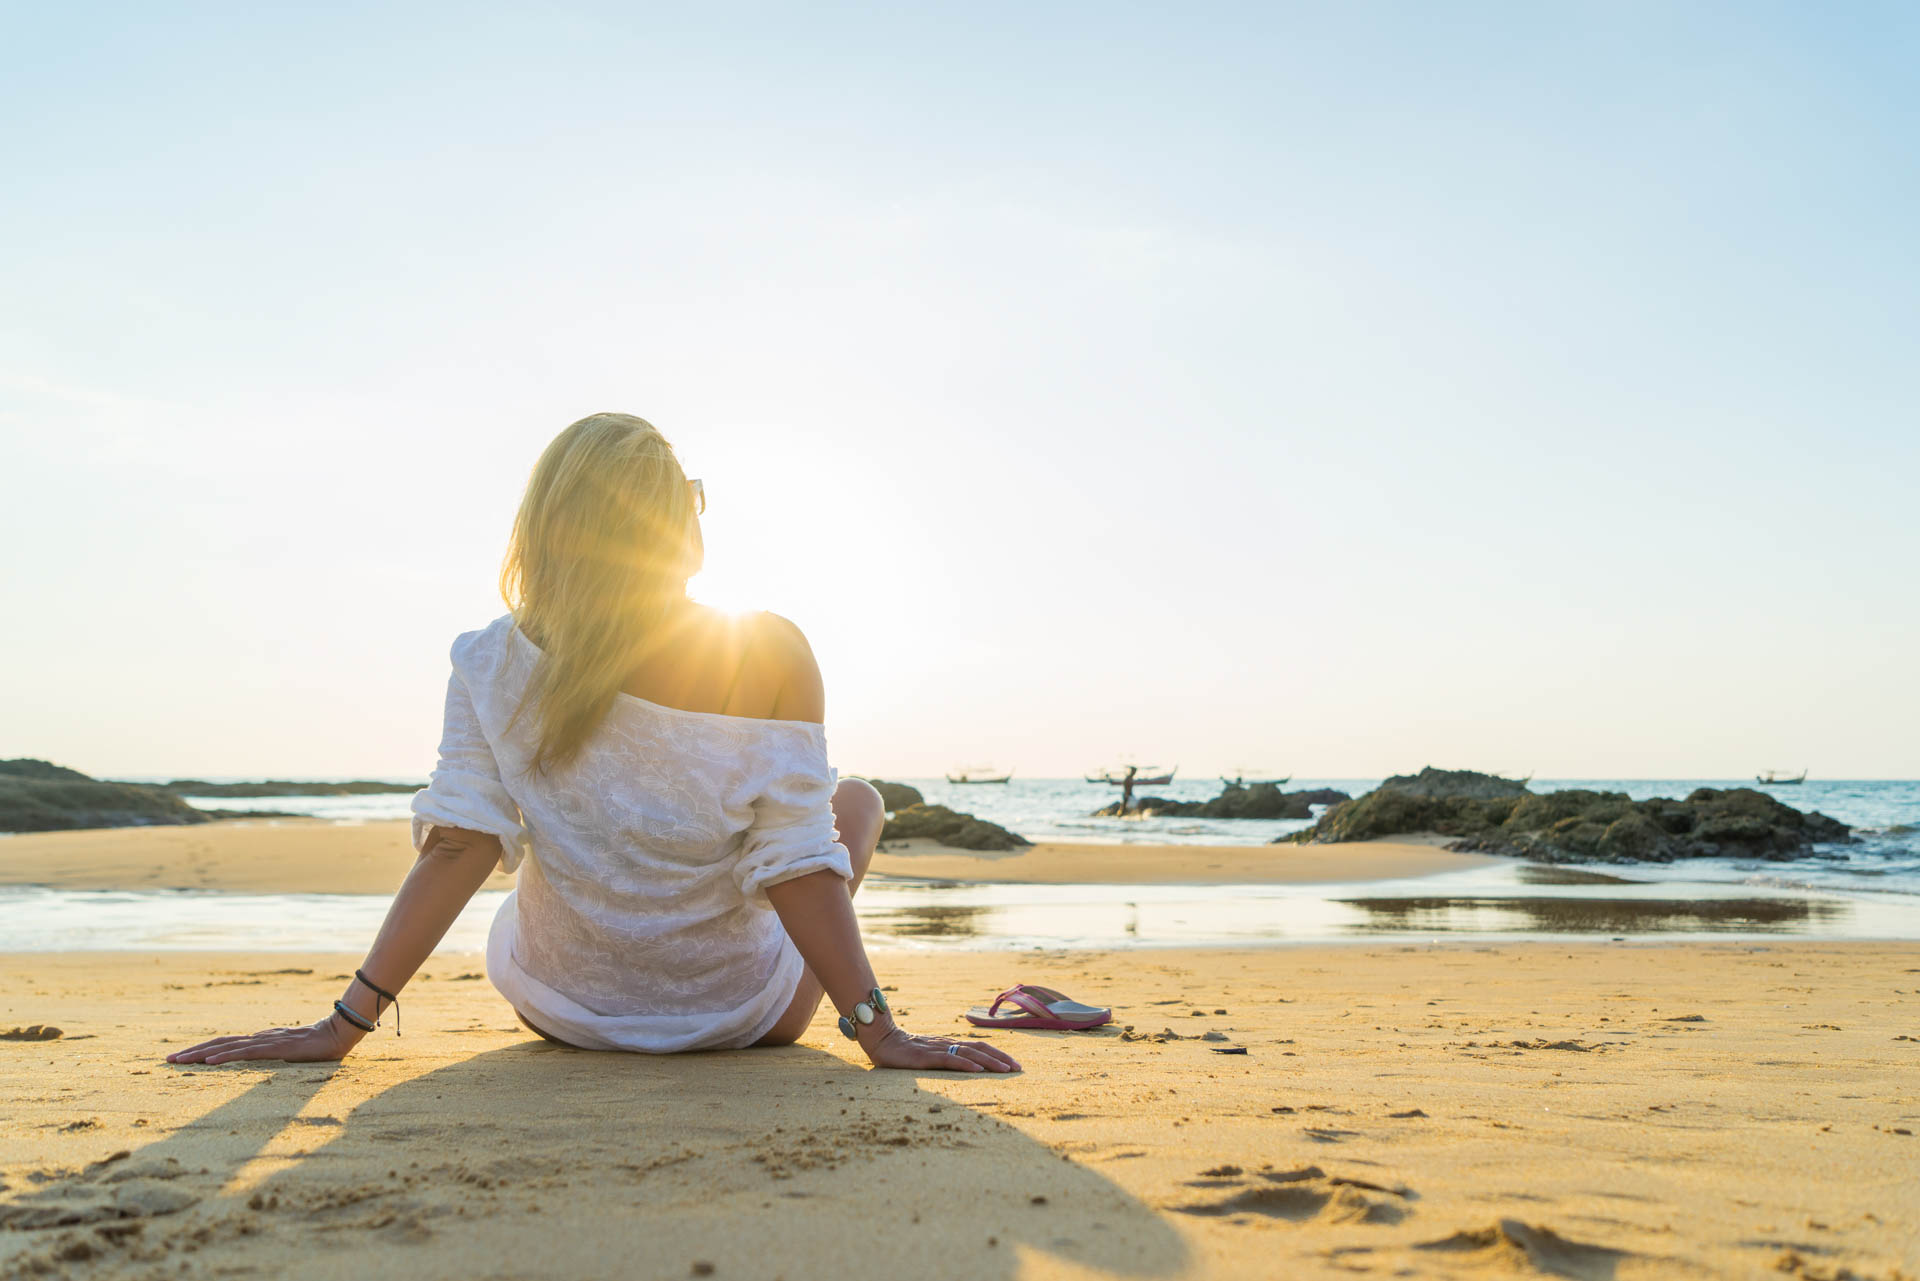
x=898, y=1048
x=319, y=1042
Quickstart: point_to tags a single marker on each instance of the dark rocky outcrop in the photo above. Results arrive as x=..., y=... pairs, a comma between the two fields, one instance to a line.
x=283, y=787
x=1259, y=800
x=43, y=771
x=1502, y=816
x=962, y=831
x=897, y=796
x=1450, y=802
x=38, y=797
x=1451, y=783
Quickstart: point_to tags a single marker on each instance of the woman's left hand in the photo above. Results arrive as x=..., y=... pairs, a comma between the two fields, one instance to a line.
x=317, y=1043
x=895, y=1047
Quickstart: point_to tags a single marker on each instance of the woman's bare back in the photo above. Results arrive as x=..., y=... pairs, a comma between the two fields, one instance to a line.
x=752, y=665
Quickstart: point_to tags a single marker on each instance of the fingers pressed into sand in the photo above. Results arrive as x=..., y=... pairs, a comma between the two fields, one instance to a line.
x=988, y=1057
x=206, y=1047
x=1008, y=1059
x=934, y=1052
x=980, y=1061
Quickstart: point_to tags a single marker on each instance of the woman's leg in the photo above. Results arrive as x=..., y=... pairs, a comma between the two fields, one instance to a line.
x=858, y=816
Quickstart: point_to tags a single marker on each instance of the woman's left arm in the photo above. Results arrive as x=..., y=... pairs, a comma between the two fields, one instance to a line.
x=453, y=863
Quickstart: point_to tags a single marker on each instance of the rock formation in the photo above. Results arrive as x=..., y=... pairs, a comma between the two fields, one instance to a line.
x=36, y=796
x=962, y=831
x=1261, y=800
x=1502, y=816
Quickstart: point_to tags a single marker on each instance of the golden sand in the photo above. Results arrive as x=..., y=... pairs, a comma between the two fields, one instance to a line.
x=1599, y=1111
x=262, y=856
x=304, y=856
x=1595, y=1111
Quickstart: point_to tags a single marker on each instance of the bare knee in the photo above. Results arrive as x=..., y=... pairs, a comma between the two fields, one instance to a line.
x=858, y=816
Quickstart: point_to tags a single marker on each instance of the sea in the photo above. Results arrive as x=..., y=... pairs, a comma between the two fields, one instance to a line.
x=1885, y=816
x=1865, y=889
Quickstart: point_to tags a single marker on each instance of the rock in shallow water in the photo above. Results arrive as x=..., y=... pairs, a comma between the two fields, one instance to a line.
x=1260, y=800
x=962, y=831
x=1501, y=816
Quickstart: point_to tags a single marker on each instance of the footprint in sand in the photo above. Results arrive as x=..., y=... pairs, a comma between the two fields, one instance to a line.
x=1307, y=1196
x=105, y=1191
x=35, y=1032
x=1513, y=1246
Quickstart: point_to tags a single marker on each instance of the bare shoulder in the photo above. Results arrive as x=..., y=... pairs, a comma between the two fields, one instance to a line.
x=802, y=695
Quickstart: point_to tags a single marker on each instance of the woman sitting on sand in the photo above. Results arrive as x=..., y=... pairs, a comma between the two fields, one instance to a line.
x=657, y=772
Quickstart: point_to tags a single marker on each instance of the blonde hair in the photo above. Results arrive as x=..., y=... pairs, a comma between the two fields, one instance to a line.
x=602, y=547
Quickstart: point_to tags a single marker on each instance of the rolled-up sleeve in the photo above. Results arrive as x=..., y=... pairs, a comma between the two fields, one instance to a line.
x=792, y=832
x=466, y=790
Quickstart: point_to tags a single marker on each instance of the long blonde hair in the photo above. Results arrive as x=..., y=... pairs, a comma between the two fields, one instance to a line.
x=601, y=551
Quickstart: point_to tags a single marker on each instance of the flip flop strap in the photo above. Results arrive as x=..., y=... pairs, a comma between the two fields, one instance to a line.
x=1018, y=996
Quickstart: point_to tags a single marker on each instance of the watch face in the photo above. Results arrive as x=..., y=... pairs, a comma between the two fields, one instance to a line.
x=863, y=1012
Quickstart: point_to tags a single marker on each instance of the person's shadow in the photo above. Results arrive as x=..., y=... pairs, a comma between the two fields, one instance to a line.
x=535, y=1160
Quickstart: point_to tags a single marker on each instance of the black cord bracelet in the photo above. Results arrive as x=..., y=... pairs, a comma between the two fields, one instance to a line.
x=353, y=1016
x=379, y=991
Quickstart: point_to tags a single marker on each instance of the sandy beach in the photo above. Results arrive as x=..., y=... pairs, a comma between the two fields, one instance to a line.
x=301, y=856
x=1595, y=1111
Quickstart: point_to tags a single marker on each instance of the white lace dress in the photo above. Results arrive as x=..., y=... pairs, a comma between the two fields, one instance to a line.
x=640, y=920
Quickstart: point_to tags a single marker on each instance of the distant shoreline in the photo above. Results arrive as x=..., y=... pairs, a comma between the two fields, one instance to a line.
x=280, y=787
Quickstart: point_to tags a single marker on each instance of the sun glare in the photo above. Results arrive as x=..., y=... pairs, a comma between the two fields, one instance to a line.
x=730, y=594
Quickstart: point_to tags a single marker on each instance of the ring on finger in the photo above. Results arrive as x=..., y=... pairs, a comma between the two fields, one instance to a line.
x=953, y=1049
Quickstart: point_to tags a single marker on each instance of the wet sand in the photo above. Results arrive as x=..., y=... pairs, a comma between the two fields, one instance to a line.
x=1594, y=1111
x=263, y=856
x=1076, y=864
x=307, y=856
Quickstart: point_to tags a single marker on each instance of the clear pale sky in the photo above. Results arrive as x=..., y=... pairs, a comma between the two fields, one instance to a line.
x=1332, y=389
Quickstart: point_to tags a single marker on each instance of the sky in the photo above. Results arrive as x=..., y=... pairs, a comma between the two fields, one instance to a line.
x=1317, y=389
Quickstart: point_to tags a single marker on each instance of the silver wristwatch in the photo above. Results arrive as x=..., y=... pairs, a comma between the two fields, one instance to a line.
x=865, y=1012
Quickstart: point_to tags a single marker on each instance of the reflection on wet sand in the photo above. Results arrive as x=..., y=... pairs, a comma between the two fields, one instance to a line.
x=929, y=922
x=1594, y=915
x=1560, y=874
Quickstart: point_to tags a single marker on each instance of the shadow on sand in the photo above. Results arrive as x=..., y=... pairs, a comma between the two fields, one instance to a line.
x=536, y=1160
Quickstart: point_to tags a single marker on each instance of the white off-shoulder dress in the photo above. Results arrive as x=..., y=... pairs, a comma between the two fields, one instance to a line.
x=640, y=920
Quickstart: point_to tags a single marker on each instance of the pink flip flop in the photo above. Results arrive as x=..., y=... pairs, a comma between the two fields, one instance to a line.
x=1040, y=1008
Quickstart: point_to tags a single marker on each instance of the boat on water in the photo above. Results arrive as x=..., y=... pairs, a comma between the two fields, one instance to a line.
x=1774, y=778
x=1241, y=780
x=981, y=774
x=1143, y=776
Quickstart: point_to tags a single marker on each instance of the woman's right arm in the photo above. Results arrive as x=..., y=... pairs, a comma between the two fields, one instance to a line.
x=452, y=865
